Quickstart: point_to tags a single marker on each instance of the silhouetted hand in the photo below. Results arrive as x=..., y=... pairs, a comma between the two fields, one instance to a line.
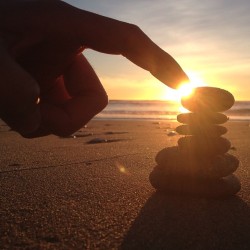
x=47, y=86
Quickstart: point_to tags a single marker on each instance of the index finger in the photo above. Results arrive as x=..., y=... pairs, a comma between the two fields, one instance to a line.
x=111, y=36
x=99, y=33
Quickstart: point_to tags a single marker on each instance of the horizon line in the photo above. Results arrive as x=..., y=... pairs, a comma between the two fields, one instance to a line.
x=143, y=100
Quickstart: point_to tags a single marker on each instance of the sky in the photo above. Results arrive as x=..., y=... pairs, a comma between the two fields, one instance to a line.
x=209, y=39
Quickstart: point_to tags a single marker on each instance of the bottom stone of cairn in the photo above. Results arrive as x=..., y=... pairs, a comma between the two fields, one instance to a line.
x=200, y=187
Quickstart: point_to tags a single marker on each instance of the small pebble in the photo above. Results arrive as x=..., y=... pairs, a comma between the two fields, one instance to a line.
x=68, y=136
x=171, y=133
x=97, y=140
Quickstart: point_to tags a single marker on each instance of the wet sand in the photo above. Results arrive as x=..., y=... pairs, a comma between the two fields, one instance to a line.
x=91, y=191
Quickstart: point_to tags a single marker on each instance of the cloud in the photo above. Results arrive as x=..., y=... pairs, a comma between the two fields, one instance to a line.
x=208, y=36
x=222, y=23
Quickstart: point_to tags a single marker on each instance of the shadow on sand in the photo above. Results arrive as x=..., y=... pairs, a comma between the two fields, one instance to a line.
x=167, y=222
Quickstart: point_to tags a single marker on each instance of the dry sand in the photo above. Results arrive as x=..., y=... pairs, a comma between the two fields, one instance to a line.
x=63, y=193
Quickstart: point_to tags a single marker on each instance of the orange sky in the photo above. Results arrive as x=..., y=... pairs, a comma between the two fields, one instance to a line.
x=209, y=39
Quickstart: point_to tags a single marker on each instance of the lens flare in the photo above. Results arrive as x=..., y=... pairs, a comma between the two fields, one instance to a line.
x=122, y=169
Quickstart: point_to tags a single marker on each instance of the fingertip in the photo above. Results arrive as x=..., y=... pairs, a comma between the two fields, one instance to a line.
x=173, y=80
x=183, y=80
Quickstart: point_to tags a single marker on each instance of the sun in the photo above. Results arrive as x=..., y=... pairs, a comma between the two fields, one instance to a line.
x=185, y=88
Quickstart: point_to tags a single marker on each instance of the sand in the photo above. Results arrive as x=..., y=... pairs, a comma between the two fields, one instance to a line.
x=63, y=193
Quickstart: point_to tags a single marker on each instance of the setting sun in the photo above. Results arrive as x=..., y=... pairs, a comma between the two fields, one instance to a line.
x=186, y=88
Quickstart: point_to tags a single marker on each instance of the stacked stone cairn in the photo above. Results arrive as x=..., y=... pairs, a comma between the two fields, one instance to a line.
x=199, y=165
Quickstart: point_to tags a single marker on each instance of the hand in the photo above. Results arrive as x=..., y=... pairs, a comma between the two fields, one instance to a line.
x=41, y=60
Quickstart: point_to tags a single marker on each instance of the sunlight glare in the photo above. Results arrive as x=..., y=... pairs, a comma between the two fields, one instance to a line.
x=186, y=88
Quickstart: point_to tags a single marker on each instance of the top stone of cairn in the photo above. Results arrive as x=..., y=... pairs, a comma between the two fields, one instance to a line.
x=208, y=99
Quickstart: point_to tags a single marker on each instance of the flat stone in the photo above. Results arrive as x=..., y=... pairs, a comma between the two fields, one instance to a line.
x=208, y=99
x=205, y=188
x=173, y=162
x=209, y=130
x=202, y=118
x=203, y=145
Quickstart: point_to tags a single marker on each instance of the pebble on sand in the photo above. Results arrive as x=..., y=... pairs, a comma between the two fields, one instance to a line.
x=97, y=140
x=171, y=133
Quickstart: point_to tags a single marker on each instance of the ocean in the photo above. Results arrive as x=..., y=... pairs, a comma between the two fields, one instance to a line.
x=162, y=110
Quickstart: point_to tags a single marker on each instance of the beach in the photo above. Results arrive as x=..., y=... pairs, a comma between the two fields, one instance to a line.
x=92, y=191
